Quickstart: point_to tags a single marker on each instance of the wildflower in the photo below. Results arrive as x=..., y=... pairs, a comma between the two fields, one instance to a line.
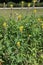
x=35, y=11
x=21, y=28
x=11, y=5
x=19, y=17
x=22, y=2
x=4, y=24
x=30, y=35
x=34, y=1
x=1, y=60
x=41, y=55
x=16, y=13
x=28, y=4
x=42, y=25
x=18, y=44
x=39, y=19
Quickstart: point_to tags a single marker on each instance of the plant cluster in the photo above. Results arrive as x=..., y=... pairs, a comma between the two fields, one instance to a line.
x=21, y=41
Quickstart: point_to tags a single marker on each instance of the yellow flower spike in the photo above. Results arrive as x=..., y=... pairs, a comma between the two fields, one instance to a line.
x=34, y=1
x=19, y=17
x=39, y=19
x=22, y=2
x=42, y=25
x=30, y=35
x=1, y=61
x=4, y=24
x=29, y=4
x=21, y=28
x=35, y=11
x=16, y=14
x=18, y=44
x=11, y=5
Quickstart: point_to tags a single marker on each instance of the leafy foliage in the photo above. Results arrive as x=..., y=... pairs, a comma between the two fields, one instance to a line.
x=21, y=41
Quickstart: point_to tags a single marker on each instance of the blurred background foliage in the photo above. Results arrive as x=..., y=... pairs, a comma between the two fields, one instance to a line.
x=17, y=3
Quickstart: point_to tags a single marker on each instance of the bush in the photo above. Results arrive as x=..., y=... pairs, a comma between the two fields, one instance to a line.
x=21, y=41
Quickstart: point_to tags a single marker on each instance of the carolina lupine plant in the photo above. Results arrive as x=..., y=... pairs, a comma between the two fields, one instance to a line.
x=21, y=41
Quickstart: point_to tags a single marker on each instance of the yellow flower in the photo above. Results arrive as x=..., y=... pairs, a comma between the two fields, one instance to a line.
x=39, y=19
x=19, y=17
x=18, y=44
x=34, y=1
x=30, y=35
x=22, y=2
x=4, y=24
x=35, y=11
x=1, y=61
x=21, y=28
x=41, y=55
x=42, y=25
x=29, y=4
x=16, y=13
x=11, y=5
